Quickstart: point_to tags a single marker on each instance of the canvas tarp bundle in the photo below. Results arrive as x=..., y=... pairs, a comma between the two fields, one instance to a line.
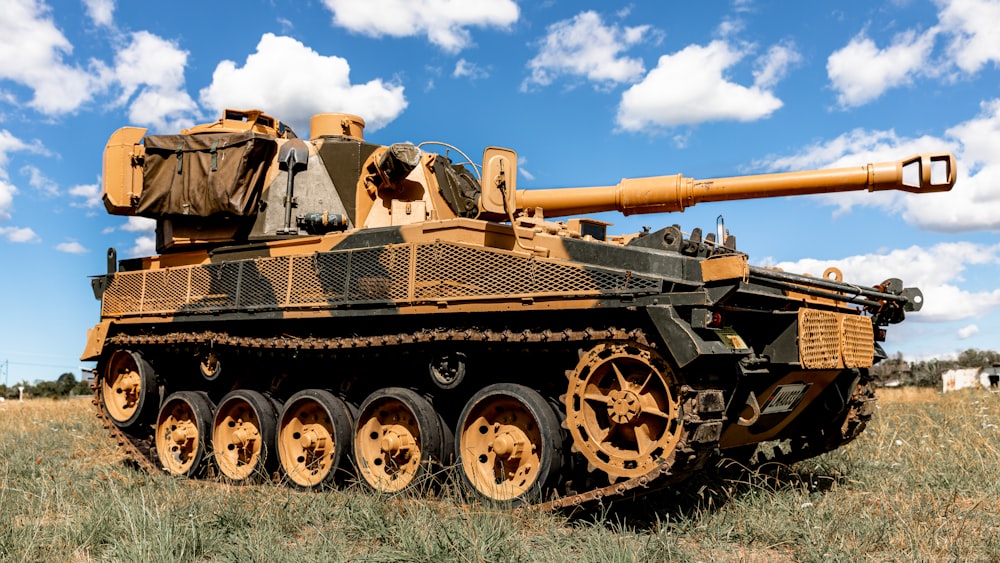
x=204, y=174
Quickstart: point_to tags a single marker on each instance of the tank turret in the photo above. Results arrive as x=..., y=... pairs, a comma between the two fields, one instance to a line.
x=232, y=180
x=333, y=309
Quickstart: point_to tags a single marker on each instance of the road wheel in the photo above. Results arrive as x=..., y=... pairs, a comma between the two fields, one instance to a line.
x=508, y=442
x=243, y=434
x=182, y=432
x=398, y=439
x=314, y=437
x=128, y=389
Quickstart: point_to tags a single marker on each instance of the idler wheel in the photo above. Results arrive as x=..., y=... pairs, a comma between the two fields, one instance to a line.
x=622, y=409
x=508, y=442
x=128, y=389
x=314, y=437
x=398, y=439
x=182, y=432
x=243, y=434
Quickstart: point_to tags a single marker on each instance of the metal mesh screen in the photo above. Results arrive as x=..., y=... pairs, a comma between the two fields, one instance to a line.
x=858, y=341
x=438, y=271
x=819, y=339
x=450, y=270
x=829, y=340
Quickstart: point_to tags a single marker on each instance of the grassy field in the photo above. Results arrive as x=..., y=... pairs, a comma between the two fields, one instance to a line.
x=920, y=484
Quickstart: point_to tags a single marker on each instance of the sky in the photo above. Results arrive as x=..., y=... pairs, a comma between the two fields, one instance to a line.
x=586, y=92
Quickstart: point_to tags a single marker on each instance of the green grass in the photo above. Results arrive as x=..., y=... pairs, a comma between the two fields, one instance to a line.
x=920, y=484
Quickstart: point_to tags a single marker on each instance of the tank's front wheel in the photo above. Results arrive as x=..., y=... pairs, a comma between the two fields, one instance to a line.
x=623, y=409
x=314, y=437
x=128, y=389
x=243, y=435
x=508, y=442
x=398, y=438
x=182, y=431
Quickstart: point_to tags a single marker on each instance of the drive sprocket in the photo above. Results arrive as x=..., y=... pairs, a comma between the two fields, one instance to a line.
x=623, y=409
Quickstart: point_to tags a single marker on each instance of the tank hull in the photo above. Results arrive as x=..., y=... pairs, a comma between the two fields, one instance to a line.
x=650, y=357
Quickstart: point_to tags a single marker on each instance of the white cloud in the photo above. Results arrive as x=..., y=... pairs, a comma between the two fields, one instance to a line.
x=144, y=246
x=937, y=271
x=137, y=224
x=19, y=234
x=774, y=65
x=444, y=22
x=690, y=87
x=584, y=46
x=150, y=70
x=967, y=331
x=972, y=27
x=42, y=183
x=292, y=82
x=974, y=202
x=9, y=143
x=861, y=72
x=7, y=191
x=89, y=193
x=71, y=247
x=32, y=51
x=470, y=70
x=101, y=12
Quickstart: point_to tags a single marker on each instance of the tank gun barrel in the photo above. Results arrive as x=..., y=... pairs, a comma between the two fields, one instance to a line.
x=920, y=173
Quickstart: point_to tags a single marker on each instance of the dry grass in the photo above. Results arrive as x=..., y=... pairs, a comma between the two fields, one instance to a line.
x=920, y=484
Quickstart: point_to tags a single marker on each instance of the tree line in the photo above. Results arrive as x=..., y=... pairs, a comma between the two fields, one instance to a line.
x=927, y=373
x=66, y=385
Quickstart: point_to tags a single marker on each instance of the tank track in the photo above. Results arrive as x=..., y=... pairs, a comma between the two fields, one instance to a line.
x=703, y=410
x=860, y=408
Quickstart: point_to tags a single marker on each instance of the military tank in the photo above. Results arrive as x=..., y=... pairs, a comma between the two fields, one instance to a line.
x=332, y=309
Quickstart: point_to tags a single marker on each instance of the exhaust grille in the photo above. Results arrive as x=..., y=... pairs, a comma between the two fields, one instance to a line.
x=829, y=340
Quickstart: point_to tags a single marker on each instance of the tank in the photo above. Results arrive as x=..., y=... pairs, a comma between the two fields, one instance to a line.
x=331, y=310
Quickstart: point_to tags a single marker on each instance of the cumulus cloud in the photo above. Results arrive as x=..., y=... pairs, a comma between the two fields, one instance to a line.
x=470, y=70
x=938, y=271
x=150, y=70
x=33, y=52
x=443, y=22
x=19, y=234
x=972, y=29
x=89, y=194
x=584, y=46
x=40, y=182
x=101, y=12
x=71, y=247
x=861, y=72
x=973, y=204
x=292, y=82
x=967, y=331
x=136, y=224
x=9, y=143
x=144, y=246
x=691, y=87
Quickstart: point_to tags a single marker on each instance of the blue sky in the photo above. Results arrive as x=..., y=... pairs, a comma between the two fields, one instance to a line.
x=587, y=93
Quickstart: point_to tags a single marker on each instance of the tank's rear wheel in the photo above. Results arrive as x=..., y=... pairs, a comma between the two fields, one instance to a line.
x=242, y=434
x=182, y=431
x=314, y=436
x=623, y=410
x=508, y=442
x=398, y=438
x=128, y=389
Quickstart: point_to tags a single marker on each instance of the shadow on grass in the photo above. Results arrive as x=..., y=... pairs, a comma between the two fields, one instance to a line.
x=721, y=482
